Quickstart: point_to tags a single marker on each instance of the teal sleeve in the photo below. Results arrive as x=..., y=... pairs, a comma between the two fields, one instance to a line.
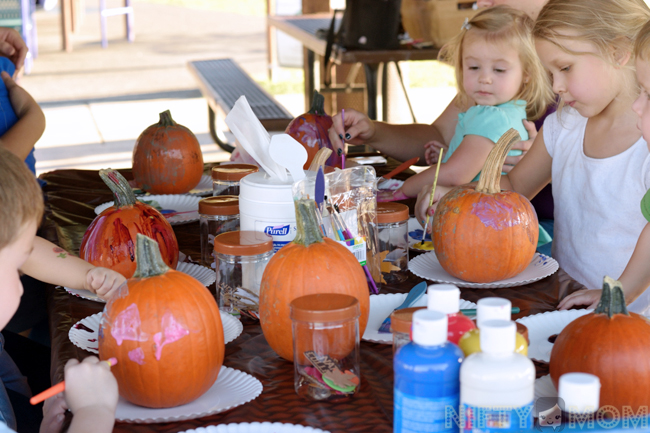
x=492, y=122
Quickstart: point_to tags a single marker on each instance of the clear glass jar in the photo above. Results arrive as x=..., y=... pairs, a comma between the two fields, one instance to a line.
x=216, y=215
x=392, y=232
x=400, y=326
x=240, y=260
x=325, y=330
x=226, y=177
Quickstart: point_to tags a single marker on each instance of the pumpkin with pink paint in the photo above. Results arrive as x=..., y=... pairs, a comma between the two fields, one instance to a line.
x=165, y=330
x=482, y=234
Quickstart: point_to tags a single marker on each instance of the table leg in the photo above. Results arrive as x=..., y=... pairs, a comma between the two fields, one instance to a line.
x=371, y=70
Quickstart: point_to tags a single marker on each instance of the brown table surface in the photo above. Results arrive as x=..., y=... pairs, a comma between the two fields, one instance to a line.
x=71, y=196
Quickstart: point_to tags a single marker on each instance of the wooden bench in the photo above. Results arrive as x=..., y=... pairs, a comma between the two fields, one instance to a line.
x=222, y=82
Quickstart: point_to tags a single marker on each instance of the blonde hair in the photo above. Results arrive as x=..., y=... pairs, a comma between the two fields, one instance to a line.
x=610, y=25
x=642, y=43
x=504, y=25
x=21, y=198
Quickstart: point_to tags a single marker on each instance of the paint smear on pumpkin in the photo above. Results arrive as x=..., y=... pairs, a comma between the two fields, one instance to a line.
x=494, y=213
x=127, y=326
x=137, y=355
x=172, y=331
x=310, y=137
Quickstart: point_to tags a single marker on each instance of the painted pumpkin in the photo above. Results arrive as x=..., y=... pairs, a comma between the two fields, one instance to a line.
x=610, y=343
x=311, y=130
x=482, y=234
x=309, y=265
x=109, y=241
x=165, y=330
x=167, y=158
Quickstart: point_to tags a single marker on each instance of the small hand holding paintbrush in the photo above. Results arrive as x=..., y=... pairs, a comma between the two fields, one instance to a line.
x=433, y=193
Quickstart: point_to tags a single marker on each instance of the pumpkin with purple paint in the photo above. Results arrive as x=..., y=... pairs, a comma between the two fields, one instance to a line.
x=165, y=330
x=167, y=158
x=482, y=234
x=311, y=130
x=109, y=241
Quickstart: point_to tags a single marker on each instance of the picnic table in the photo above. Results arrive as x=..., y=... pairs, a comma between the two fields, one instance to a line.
x=72, y=195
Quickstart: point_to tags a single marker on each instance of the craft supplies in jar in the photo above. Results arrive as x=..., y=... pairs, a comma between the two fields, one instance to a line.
x=497, y=384
x=226, y=178
x=240, y=260
x=266, y=205
x=325, y=330
x=216, y=215
x=490, y=309
x=392, y=227
x=400, y=326
x=580, y=393
x=445, y=298
x=426, y=382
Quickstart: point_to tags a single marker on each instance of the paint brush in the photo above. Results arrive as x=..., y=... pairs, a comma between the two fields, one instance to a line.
x=343, y=152
x=433, y=193
x=60, y=387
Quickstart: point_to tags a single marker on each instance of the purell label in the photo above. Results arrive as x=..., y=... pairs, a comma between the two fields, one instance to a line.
x=282, y=234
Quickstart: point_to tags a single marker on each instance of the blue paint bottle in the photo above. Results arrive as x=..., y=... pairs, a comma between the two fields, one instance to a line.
x=427, y=378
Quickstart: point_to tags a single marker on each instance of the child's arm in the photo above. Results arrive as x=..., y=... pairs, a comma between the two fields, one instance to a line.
x=54, y=265
x=23, y=135
x=634, y=279
x=533, y=172
x=91, y=395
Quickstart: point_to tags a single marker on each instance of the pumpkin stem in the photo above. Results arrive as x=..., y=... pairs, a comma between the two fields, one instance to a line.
x=122, y=193
x=318, y=104
x=612, y=300
x=166, y=119
x=149, y=262
x=308, y=228
x=490, y=181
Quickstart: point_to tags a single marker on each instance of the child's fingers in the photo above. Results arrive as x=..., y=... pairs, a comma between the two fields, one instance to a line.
x=581, y=297
x=531, y=129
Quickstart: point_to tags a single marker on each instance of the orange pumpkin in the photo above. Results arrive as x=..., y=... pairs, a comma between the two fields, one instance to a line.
x=109, y=241
x=165, y=330
x=311, y=130
x=482, y=234
x=611, y=344
x=310, y=264
x=167, y=158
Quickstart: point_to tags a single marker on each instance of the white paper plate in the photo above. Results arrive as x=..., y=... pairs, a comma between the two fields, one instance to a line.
x=169, y=203
x=204, y=275
x=544, y=325
x=256, y=427
x=232, y=388
x=85, y=333
x=428, y=267
x=382, y=305
x=544, y=387
x=204, y=187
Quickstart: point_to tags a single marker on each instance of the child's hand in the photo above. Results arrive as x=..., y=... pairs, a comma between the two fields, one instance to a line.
x=90, y=385
x=524, y=146
x=422, y=205
x=385, y=195
x=432, y=151
x=53, y=414
x=14, y=47
x=104, y=282
x=590, y=298
x=19, y=98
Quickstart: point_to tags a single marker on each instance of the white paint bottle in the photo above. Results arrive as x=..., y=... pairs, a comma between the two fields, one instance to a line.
x=497, y=385
x=266, y=205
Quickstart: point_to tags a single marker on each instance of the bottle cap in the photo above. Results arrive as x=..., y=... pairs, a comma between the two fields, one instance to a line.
x=492, y=309
x=444, y=298
x=429, y=328
x=497, y=337
x=580, y=392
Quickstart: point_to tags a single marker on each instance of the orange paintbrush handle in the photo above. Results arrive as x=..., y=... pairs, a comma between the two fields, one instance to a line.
x=59, y=387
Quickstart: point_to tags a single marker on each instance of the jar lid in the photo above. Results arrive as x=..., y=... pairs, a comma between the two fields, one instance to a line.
x=325, y=307
x=243, y=243
x=219, y=205
x=391, y=212
x=400, y=320
x=233, y=172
